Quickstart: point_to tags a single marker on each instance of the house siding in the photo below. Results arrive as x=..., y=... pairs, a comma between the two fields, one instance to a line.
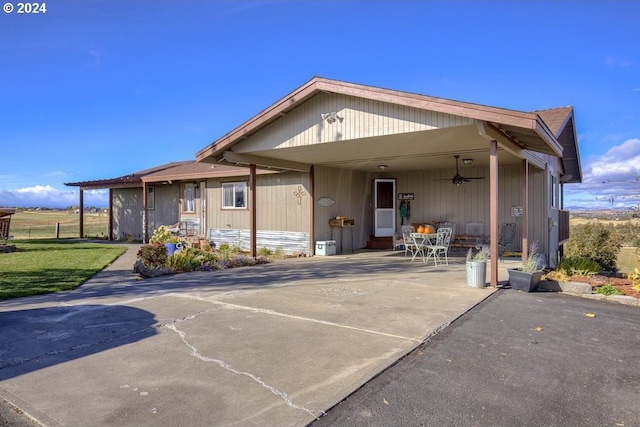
x=283, y=206
x=351, y=192
x=166, y=206
x=127, y=214
x=367, y=118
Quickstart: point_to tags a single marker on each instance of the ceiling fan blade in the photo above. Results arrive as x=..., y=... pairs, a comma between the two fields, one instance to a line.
x=473, y=177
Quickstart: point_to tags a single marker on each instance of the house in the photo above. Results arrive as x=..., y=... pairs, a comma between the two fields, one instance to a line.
x=335, y=149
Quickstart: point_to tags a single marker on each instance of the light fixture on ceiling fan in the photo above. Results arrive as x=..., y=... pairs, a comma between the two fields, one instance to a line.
x=459, y=179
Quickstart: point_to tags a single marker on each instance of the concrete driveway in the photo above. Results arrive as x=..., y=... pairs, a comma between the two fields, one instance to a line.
x=274, y=344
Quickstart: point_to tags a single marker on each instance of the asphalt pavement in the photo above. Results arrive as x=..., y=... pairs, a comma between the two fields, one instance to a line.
x=516, y=359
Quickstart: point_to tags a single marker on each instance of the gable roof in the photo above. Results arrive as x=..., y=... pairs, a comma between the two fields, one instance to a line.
x=528, y=130
x=561, y=123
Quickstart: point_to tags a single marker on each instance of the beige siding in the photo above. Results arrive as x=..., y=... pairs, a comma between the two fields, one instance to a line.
x=351, y=192
x=127, y=214
x=284, y=202
x=166, y=206
x=279, y=207
x=362, y=119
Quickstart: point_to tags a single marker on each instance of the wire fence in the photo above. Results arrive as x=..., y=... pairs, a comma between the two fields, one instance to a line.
x=51, y=226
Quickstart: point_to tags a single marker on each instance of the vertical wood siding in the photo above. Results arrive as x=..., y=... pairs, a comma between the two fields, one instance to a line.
x=277, y=204
x=351, y=192
x=166, y=206
x=127, y=213
x=365, y=118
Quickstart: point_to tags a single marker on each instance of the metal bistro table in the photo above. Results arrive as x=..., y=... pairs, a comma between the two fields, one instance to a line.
x=341, y=224
x=422, y=240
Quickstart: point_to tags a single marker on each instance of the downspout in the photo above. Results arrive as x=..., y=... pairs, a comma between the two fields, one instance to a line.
x=252, y=210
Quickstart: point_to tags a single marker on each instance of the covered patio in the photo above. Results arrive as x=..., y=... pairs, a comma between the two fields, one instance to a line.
x=346, y=136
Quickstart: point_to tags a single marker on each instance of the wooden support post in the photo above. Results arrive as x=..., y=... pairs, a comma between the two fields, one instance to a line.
x=111, y=214
x=525, y=210
x=312, y=234
x=493, y=209
x=252, y=210
x=81, y=212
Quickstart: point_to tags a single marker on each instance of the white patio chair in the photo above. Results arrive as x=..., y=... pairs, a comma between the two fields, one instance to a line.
x=441, y=247
x=409, y=244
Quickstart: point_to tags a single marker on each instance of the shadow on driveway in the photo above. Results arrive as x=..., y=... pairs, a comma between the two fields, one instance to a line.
x=39, y=338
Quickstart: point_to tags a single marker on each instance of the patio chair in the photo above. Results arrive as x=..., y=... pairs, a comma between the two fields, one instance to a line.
x=452, y=226
x=507, y=237
x=409, y=244
x=441, y=248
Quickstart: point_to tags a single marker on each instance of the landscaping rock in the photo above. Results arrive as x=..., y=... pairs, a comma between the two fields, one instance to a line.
x=143, y=270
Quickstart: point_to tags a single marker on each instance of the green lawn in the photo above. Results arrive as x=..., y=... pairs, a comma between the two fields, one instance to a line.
x=45, y=266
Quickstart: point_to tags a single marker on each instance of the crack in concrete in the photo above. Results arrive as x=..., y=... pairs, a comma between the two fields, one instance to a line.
x=196, y=353
x=296, y=317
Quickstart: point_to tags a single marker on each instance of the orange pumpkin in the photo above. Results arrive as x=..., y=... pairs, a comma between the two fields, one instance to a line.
x=429, y=229
x=420, y=229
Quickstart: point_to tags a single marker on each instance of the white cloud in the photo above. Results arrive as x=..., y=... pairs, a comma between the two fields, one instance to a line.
x=610, y=180
x=49, y=197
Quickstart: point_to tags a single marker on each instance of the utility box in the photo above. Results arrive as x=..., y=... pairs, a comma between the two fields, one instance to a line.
x=325, y=247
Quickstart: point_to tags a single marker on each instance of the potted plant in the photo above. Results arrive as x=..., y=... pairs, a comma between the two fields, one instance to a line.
x=163, y=235
x=527, y=277
x=477, y=267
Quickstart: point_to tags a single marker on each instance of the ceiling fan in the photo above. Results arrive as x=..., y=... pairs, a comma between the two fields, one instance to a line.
x=459, y=179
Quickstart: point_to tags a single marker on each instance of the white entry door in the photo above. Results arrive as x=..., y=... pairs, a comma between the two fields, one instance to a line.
x=385, y=207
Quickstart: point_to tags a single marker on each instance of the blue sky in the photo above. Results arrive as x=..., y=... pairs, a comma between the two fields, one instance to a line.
x=96, y=89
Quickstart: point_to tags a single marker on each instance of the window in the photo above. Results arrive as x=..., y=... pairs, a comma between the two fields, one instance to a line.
x=151, y=197
x=234, y=195
x=554, y=191
x=189, y=197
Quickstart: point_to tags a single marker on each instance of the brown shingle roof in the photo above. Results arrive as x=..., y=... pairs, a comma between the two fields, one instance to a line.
x=556, y=118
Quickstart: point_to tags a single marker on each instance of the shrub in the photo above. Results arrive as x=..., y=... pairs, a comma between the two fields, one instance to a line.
x=607, y=289
x=629, y=233
x=228, y=251
x=576, y=266
x=153, y=255
x=265, y=252
x=183, y=261
x=595, y=242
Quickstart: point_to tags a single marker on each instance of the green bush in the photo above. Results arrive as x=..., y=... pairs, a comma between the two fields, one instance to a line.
x=153, y=255
x=629, y=233
x=595, y=242
x=228, y=251
x=576, y=266
x=265, y=251
x=607, y=289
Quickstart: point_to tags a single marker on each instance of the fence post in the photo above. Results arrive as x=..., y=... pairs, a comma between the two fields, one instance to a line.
x=57, y=230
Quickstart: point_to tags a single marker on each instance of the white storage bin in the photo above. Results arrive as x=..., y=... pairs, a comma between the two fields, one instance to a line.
x=325, y=247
